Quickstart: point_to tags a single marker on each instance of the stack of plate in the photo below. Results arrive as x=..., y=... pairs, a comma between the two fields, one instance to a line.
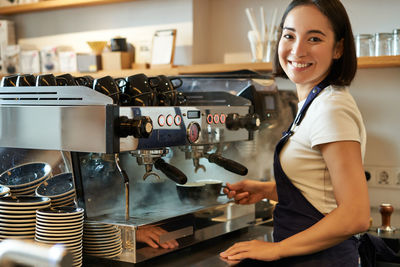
x=60, y=189
x=101, y=240
x=23, y=179
x=18, y=214
x=4, y=191
x=62, y=225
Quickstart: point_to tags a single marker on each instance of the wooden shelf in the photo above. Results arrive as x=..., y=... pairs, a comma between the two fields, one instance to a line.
x=363, y=63
x=54, y=4
x=379, y=62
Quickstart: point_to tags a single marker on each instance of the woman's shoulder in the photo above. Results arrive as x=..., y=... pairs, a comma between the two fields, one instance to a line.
x=334, y=100
x=335, y=96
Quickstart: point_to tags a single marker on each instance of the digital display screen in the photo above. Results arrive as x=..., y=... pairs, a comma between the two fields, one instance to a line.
x=193, y=114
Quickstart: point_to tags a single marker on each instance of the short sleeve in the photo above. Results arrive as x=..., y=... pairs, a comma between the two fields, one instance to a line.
x=336, y=119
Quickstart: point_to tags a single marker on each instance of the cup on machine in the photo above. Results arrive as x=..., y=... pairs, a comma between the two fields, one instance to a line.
x=106, y=85
x=26, y=80
x=46, y=80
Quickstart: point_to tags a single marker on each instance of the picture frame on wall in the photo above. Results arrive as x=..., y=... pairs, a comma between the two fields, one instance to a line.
x=163, y=48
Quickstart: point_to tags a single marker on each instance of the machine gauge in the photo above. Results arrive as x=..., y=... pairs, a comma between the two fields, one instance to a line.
x=193, y=132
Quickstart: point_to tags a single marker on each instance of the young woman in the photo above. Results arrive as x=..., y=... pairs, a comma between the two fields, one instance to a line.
x=319, y=183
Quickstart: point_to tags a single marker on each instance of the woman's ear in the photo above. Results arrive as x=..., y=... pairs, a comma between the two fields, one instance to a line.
x=338, y=50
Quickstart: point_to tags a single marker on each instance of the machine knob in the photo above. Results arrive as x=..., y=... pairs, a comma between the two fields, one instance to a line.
x=138, y=127
x=251, y=122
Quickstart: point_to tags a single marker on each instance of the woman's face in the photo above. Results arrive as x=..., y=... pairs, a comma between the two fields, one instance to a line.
x=307, y=46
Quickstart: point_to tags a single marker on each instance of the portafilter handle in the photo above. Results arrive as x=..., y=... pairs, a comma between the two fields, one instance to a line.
x=170, y=171
x=251, y=122
x=227, y=164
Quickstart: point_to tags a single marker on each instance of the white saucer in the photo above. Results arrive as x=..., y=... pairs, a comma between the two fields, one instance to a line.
x=57, y=225
x=62, y=211
x=76, y=238
x=24, y=201
x=71, y=217
x=64, y=242
x=6, y=208
x=45, y=234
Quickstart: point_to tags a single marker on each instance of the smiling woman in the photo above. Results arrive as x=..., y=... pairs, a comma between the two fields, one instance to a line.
x=318, y=162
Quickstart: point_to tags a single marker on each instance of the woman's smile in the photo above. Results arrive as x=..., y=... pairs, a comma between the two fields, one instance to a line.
x=300, y=66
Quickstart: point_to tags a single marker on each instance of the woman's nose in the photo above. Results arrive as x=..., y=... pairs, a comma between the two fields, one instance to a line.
x=299, y=49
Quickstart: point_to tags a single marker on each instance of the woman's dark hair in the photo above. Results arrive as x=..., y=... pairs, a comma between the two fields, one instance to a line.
x=343, y=69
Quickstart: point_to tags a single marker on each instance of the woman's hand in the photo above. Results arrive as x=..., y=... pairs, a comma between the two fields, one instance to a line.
x=151, y=236
x=249, y=191
x=254, y=249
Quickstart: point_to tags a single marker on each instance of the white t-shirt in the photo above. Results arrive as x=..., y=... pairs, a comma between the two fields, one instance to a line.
x=332, y=116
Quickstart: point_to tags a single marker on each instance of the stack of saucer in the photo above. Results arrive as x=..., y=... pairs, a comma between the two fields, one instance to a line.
x=23, y=179
x=62, y=225
x=60, y=189
x=4, y=191
x=101, y=240
x=17, y=216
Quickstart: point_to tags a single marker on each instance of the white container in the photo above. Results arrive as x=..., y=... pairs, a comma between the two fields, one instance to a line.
x=49, y=60
x=68, y=62
x=7, y=37
x=30, y=61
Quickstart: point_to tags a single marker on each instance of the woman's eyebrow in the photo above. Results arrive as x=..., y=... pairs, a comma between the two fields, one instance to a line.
x=308, y=32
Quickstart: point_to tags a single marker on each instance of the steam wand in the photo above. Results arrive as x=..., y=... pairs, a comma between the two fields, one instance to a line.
x=124, y=176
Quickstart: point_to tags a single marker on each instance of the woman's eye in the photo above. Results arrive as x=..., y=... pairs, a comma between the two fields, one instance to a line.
x=287, y=36
x=315, y=39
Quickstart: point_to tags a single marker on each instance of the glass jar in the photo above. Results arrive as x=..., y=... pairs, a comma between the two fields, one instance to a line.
x=383, y=44
x=396, y=42
x=365, y=45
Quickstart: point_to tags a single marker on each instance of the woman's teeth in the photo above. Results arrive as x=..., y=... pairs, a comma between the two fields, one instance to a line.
x=300, y=65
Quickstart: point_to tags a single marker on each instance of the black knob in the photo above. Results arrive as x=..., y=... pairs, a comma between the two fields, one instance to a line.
x=235, y=122
x=138, y=127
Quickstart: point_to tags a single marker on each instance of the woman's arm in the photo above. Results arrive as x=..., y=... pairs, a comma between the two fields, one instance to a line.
x=350, y=217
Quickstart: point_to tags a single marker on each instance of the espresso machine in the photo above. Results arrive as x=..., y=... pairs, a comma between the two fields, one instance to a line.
x=129, y=143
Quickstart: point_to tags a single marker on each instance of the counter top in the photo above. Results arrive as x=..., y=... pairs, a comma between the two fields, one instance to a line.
x=203, y=254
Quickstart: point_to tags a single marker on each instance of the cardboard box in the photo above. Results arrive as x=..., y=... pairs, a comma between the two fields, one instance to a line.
x=116, y=60
x=88, y=62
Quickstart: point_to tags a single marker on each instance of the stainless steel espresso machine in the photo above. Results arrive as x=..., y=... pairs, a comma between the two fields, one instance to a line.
x=130, y=142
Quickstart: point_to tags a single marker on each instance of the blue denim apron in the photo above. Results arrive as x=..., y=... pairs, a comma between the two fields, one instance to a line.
x=294, y=213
